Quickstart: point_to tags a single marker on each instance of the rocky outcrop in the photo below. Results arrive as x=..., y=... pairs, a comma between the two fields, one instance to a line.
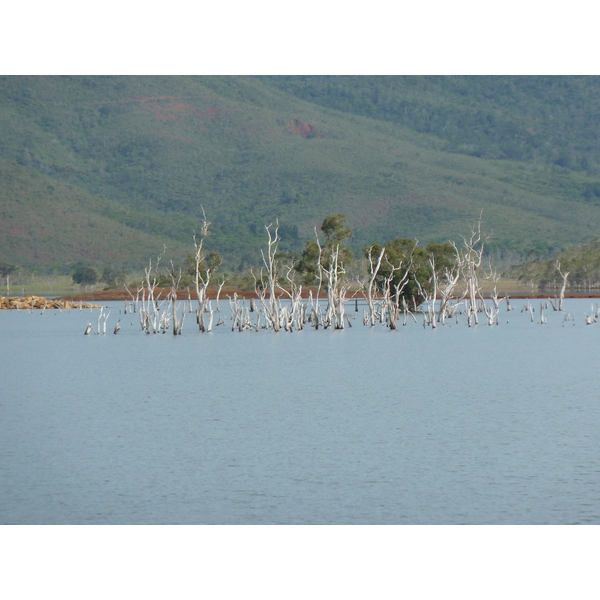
x=30, y=302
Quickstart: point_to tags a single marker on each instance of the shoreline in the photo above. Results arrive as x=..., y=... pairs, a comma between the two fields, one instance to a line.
x=99, y=298
x=161, y=294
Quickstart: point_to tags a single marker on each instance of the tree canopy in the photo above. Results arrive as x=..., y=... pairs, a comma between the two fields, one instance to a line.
x=85, y=276
x=6, y=269
x=113, y=277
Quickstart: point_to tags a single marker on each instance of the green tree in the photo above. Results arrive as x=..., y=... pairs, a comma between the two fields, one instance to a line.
x=335, y=230
x=85, y=276
x=113, y=277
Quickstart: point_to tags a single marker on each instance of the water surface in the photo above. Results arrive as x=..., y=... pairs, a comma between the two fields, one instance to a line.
x=457, y=425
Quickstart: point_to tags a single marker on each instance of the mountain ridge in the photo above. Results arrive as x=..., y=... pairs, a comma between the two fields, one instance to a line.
x=140, y=157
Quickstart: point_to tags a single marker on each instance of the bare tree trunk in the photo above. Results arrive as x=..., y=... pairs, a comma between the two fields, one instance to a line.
x=429, y=297
x=175, y=280
x=564, y=276
x=336, y=290
x=470, y=260
x=451, y=277
x=388, y=309
x=494, y=277
x=202, y=275
x=271, y=305
x=374, y=266
x=149, y=310
x=297, y=310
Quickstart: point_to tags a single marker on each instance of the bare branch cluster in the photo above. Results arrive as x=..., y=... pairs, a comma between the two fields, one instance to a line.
x=441, y=282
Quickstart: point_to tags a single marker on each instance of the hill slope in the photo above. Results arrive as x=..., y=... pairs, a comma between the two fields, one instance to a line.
x=109, y=169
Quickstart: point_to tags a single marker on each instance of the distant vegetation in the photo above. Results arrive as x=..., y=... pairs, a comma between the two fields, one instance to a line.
x=107, y=171
x=546, y=120
x=85, y=276
x=582, y=263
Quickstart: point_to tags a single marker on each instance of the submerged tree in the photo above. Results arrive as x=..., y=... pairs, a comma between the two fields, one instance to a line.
x=564, y=276
x=470, y=257
x=316, y=255
x=407, y=269
x=323, y=264
x=203, y=268
x=267, y=283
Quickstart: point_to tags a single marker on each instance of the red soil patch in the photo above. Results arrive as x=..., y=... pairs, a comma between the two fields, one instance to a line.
x=300, y=128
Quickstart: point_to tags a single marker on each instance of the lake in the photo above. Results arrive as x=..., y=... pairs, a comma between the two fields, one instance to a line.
x=456, y=425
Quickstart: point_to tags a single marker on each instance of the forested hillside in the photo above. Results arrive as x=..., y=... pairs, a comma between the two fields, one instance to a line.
x=545, y=120
x=109, y=170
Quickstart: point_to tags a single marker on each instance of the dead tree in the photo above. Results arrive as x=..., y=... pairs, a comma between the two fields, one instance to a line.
x=240, y=315
x=297, y=311
x=217, y=307
x=267, y=284
x=564, y=276
x=429, y=295
x=316, y=316
x=102, y=318
x=330, y=273
x=151, y=319
x=393, y=293
x=491, y=313
x=493, y=276
x=470, y=261
x=406, y=311
x=175, y=277
x=390, y=287
x=369, y=289
x=336, y=287
x=543, y=320
x=203, y=272
x=447, y=286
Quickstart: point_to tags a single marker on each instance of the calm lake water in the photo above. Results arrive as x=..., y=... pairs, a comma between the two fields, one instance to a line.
x=457, y=425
